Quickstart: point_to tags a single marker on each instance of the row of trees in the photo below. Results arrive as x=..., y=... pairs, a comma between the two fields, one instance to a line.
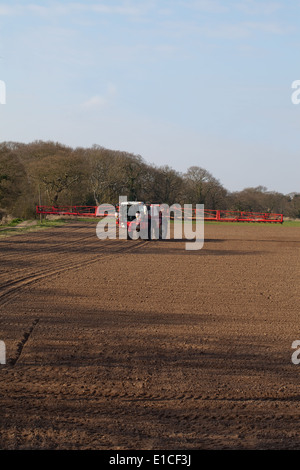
x=49, y=173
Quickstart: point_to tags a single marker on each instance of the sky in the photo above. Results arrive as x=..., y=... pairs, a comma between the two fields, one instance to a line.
x=180, y=83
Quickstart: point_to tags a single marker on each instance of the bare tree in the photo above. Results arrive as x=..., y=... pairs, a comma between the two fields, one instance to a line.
x=57, y=174
x=203, y=188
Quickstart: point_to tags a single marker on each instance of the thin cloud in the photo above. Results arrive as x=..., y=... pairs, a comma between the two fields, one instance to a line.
x=96, y=101
x=100, y=101
x=208, y=6
x=270, y=27
x=127, y=10
x=245, y=29
x=66, y=9
x=8, y=10
x=254, y=7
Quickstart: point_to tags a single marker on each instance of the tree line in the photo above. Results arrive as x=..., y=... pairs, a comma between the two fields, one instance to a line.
x=50, y=173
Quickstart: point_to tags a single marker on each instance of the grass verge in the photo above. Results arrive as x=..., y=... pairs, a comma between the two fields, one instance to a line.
x=14, y=228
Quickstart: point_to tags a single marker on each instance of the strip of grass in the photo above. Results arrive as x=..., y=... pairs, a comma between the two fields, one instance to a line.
x=291, y=223
x=14, y=222
x=286, y=223
x=13, y=229
x=212, y=222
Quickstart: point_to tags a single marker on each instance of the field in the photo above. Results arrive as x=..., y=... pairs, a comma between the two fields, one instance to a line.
x=118, y=344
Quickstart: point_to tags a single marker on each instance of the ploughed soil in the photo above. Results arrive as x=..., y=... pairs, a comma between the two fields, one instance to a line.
x=122, y=344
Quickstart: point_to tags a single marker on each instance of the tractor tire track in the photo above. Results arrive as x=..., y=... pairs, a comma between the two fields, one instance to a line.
x=11, y=289
x=23, y=341
x=45, y=252
x=49, y=248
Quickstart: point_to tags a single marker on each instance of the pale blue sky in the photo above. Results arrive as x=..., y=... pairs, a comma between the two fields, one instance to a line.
x=182, y=83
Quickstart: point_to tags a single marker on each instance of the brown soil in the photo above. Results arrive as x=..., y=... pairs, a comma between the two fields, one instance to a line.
x=144, y=345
